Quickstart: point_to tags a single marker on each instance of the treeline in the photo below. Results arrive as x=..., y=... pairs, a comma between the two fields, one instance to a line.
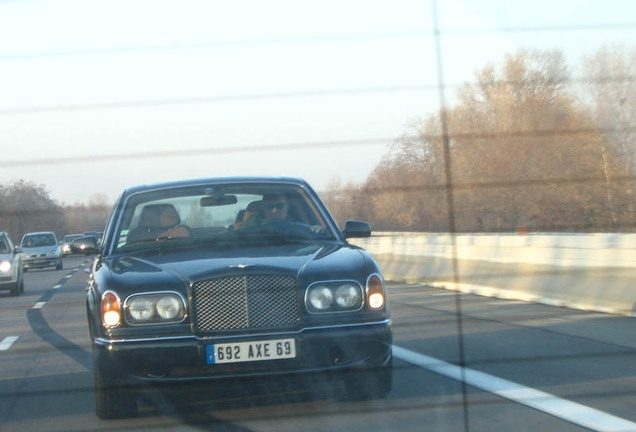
x=524, y=145
x=27, y=207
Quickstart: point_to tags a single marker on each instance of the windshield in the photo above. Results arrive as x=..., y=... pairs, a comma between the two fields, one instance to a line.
x=229, y=213
x=38, y=240
x=4, y=246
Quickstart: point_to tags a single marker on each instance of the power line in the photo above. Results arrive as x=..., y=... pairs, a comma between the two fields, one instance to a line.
x=281, y=95
x=211, y=44
x=313, y=39
x=213, y=99
x=193, y=152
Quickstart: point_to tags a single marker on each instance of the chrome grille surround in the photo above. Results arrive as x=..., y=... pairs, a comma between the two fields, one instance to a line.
x=245, y=302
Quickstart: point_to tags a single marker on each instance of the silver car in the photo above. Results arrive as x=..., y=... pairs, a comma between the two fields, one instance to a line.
x=10, y=266
x=41, y=249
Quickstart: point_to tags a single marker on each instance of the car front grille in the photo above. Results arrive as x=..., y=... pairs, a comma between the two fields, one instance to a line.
x=245, y=302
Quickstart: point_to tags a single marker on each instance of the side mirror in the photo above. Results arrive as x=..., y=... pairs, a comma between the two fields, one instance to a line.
x=356, y=229
x=17, y=250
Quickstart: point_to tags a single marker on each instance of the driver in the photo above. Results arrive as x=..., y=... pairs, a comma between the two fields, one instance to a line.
x=273, y=217
x=274, y=209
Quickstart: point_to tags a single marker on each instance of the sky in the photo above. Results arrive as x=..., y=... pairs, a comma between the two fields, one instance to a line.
x=99, y=95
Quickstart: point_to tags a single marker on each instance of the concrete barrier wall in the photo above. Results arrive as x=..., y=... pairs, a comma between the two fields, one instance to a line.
x=583, y=271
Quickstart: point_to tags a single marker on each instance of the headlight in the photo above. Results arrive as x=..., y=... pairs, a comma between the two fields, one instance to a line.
x=348, y=296
x=320, y=298
x=154, y=308
x=5, y=266
x=334, y=296
x=53, y=252
x=141, y=309
x=168, y=307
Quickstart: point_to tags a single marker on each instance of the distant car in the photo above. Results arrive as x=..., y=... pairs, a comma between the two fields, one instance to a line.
x=41, y=250
x=65, y=244
x=84, y=245
x=176, y=295
x=11, y=270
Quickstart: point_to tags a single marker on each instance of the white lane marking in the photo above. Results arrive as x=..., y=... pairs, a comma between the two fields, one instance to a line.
x=7, y=342
x=570, y=411
x=67, y=276
x=39, y=305
x=505, y=302
x=57, y=286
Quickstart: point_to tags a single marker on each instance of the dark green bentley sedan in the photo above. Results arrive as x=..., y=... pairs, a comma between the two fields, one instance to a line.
x=211, y=279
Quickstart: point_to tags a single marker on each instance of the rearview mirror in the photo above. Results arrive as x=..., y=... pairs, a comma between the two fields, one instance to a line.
x=218, y=200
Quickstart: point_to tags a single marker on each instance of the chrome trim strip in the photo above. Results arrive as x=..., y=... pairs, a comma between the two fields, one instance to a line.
x=103, y=341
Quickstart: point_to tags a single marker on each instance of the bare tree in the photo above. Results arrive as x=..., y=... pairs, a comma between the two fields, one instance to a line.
x=608, y=88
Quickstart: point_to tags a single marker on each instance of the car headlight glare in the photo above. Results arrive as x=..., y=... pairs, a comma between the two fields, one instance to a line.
x=155, y=308
x=348, y=296
x=375, y=292
x=111, y=310
x=5, y=266
x=320, y=298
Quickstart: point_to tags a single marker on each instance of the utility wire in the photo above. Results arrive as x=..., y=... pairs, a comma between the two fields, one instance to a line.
x=314, y=39
x=213, y=99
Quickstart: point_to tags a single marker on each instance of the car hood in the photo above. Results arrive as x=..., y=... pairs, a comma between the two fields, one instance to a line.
x=306, y=261
x=40, y=250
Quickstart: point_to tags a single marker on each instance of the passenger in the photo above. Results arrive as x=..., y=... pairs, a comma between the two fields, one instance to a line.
x=251, y=216
x=238, y=221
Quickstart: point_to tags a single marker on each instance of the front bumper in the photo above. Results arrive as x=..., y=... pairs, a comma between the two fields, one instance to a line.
x=318, y=350
x=8, y=281
x=42, y=262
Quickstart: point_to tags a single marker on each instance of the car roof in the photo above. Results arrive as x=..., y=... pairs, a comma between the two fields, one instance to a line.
x=38, y=233
x=214, y=180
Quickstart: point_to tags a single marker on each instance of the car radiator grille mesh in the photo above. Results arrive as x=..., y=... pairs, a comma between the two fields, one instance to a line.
x=245, y=302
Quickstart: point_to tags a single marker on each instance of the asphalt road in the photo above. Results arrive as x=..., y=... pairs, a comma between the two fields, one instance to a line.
x=529, y=367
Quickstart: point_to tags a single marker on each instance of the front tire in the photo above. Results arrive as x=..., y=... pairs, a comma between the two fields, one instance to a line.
x=369, y=384
x=113, y=401
x=59, y=266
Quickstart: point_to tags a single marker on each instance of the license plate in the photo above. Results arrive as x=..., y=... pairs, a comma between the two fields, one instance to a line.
x=251, y=351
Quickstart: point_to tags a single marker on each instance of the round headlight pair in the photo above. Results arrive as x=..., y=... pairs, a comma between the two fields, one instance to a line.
x=334, y=297
x=154, y=308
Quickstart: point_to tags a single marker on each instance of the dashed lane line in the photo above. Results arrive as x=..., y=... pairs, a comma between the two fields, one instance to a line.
x=566, y=410
x=39, y=305
x=6, y=343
